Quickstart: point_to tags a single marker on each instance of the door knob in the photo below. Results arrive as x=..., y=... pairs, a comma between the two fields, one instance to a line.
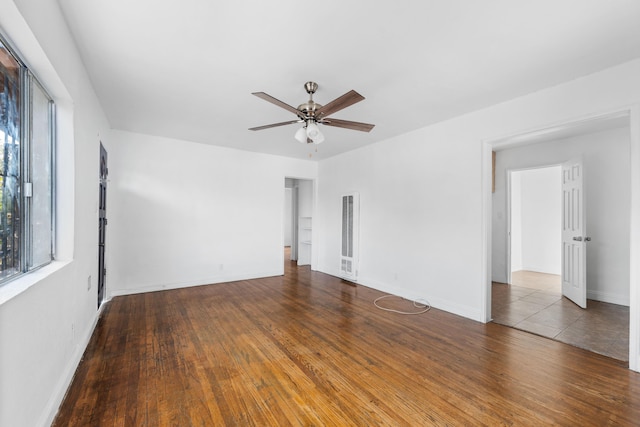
x=578, y=238
x=587, y=239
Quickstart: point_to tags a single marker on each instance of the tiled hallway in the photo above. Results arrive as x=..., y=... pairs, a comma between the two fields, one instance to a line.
x=534, y=303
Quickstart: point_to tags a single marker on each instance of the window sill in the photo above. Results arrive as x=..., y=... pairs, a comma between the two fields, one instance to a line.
x=15, y=287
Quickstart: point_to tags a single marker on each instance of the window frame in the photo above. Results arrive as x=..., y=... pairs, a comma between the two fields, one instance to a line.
x=27, y=82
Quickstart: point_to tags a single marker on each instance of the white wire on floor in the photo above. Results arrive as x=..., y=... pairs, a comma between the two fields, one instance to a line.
x=421, y=304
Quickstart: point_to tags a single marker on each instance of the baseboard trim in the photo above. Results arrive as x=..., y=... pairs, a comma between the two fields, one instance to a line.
x=51, y=410
x=187, y=284
x=609, y=297
x=439, y=303
x=435, y=302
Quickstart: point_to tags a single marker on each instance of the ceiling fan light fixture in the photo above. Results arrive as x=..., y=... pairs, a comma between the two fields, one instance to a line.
x=313, y=132
x=301, y=135
x=318, y=139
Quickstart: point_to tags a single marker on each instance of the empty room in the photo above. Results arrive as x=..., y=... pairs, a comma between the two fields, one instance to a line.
x=280, y=213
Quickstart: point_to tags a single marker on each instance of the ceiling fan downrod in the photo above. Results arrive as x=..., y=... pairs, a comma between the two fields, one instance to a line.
x=308, y=109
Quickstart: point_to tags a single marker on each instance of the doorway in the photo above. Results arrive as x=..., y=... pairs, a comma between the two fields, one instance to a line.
x=497, y=260
x=298, y=220
x=534, y=301
x=102, y=223
x=534, y=223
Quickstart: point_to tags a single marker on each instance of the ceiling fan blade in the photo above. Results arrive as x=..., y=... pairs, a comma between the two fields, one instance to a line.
x=338, y=104
x=277, y=102
x=274, y=125
x=364, y=127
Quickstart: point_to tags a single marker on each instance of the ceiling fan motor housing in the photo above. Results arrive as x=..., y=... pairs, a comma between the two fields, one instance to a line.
x=308, y=109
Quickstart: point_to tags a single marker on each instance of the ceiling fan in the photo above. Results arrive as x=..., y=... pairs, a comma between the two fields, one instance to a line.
x=311, y=114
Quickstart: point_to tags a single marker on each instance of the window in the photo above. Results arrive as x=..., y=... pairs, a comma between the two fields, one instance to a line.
x=26, y=169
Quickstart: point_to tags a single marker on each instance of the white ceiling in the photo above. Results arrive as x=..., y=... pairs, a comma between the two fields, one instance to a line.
x=186, y=69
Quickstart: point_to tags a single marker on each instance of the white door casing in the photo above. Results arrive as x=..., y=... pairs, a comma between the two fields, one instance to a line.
x=574, y=254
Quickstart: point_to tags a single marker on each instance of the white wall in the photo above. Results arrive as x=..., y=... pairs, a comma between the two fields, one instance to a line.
x=47, y=317
x=419, y=216
x=422, y=199
x=305, y=211
x=184, y=214
x=288, y=219
x=540, y=212
x=305, y=197
x=516, y=222
x=607, y=196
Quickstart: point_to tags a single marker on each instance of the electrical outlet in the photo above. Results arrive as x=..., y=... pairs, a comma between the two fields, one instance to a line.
x=89, y=283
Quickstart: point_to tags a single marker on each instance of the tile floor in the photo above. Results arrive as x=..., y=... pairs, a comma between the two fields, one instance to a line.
x=534, y=303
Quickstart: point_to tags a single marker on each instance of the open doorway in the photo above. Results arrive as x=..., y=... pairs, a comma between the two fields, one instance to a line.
x=298, y=220
x=535, y=214
x=537, y=306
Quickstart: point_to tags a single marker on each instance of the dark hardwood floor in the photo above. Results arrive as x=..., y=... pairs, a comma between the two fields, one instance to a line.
x=309, y=349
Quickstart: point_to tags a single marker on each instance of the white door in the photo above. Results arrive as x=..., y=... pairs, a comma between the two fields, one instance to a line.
x=574, y=254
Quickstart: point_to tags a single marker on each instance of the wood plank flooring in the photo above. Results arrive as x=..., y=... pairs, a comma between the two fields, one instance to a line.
x=308, y=349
